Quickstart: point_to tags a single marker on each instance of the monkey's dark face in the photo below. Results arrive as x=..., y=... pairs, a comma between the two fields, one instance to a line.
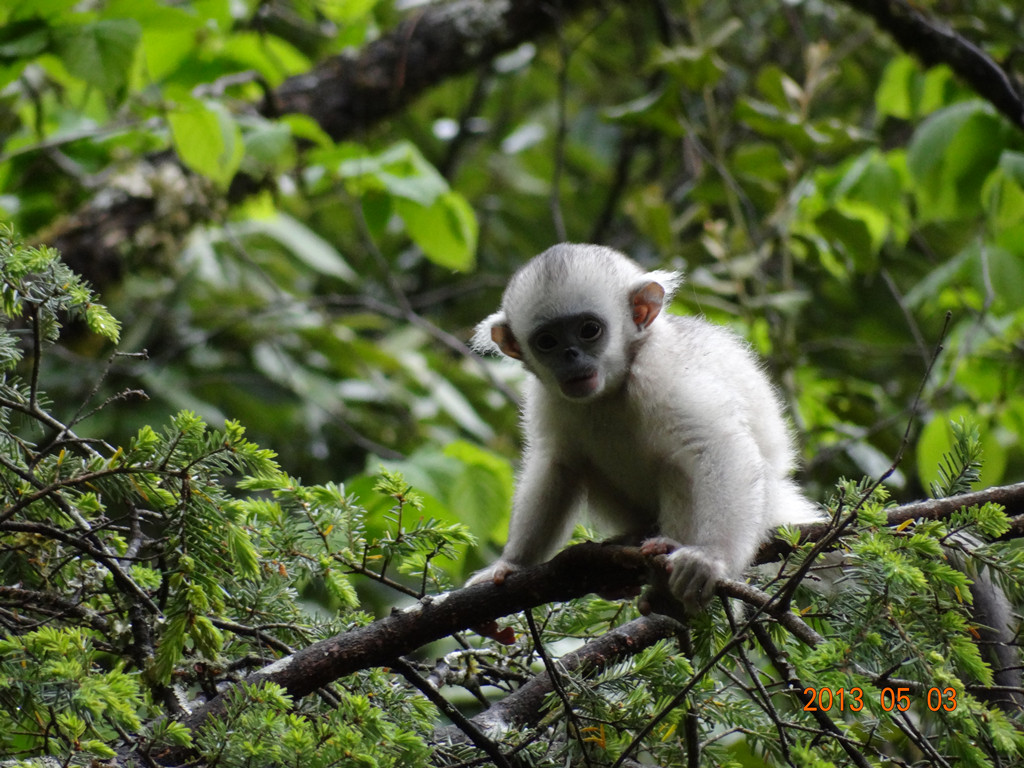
x=571, y=349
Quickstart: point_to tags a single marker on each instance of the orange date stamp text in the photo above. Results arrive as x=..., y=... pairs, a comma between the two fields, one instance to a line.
x=852, y=700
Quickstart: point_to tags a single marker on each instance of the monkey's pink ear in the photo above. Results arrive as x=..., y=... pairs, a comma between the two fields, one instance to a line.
x=502, y=336
x=647, y=302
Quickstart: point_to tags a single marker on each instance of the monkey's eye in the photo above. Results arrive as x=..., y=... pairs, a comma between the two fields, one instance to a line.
x=545, y=342
x=590, y=330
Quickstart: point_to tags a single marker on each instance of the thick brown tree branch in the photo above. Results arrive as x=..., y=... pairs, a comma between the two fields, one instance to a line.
x=576, y=571
x=579, y=570
x=525, y=705
x=1011, y=497
x=348, y=93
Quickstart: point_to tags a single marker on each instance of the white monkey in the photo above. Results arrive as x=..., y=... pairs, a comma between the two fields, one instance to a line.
x=655, y=422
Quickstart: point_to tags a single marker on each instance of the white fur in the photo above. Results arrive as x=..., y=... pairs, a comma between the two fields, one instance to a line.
x=687, y=438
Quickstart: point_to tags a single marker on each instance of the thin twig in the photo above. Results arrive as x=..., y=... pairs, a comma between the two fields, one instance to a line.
x=575, y=729
x=450, y=711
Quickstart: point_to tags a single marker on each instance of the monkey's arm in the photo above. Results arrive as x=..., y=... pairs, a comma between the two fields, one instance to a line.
x=545, y=498
x=717, y=509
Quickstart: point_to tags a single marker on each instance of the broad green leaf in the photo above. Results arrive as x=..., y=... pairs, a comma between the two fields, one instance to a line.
x=951, y=156
x=446, y=231
x=100, y=53
x=305, y=244
x=691, y=66
x=759, y=160
x=896, y=94
x=23, y=40
x=871, y=178
x=207, y=139
x=483, y=490
x=1003, y=194
x=658, y=109
x=906, y=92
x=272, y=57
x=216, y=13
x=168, y=33
x=400, y=170
x=305, y=127
x=268, y=145
x=377, y=211
x=346, y=11
x=781, y=90
x=1005, y=269
x=940, y=89
x=852, y=234
x=773, y=122
x=39, y=9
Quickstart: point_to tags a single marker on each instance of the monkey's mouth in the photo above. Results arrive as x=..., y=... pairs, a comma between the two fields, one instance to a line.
x=580, y=386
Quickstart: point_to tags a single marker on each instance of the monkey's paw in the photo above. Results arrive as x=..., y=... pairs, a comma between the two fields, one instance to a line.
x=497, y=572
x=659, y=545
x=693, y=574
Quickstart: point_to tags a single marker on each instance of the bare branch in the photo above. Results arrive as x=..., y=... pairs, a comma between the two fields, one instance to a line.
x=524, y=706
x=347, y=93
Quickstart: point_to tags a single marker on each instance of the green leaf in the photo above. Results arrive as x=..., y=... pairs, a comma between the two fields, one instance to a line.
x=907, y=93
x=268, y=145
x=780, y=123
x=170, y=649
x=951, y=156
x=38, y=9
x=896, y=94
x=271, y=56
x=23, y=39
x=169, y=34
x=208, y=639
x=852, y=233
x=302, y=242
x=483, y=490
x=658, y=109
x=781, y=90
x=691, y=66
x=97, y=747
x=101, y=53
x=243, y=553
x=446, y=230
x=346, y=11
x=377, y=211
x=207, y=139
x=100, y=321
x=1003, y=194
x=401, y=170
x=305, y=127
x=759, y=160
x=938, y=438
x=340, y=588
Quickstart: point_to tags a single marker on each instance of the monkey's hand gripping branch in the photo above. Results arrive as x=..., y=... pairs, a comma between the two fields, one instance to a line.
x=496, y=572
